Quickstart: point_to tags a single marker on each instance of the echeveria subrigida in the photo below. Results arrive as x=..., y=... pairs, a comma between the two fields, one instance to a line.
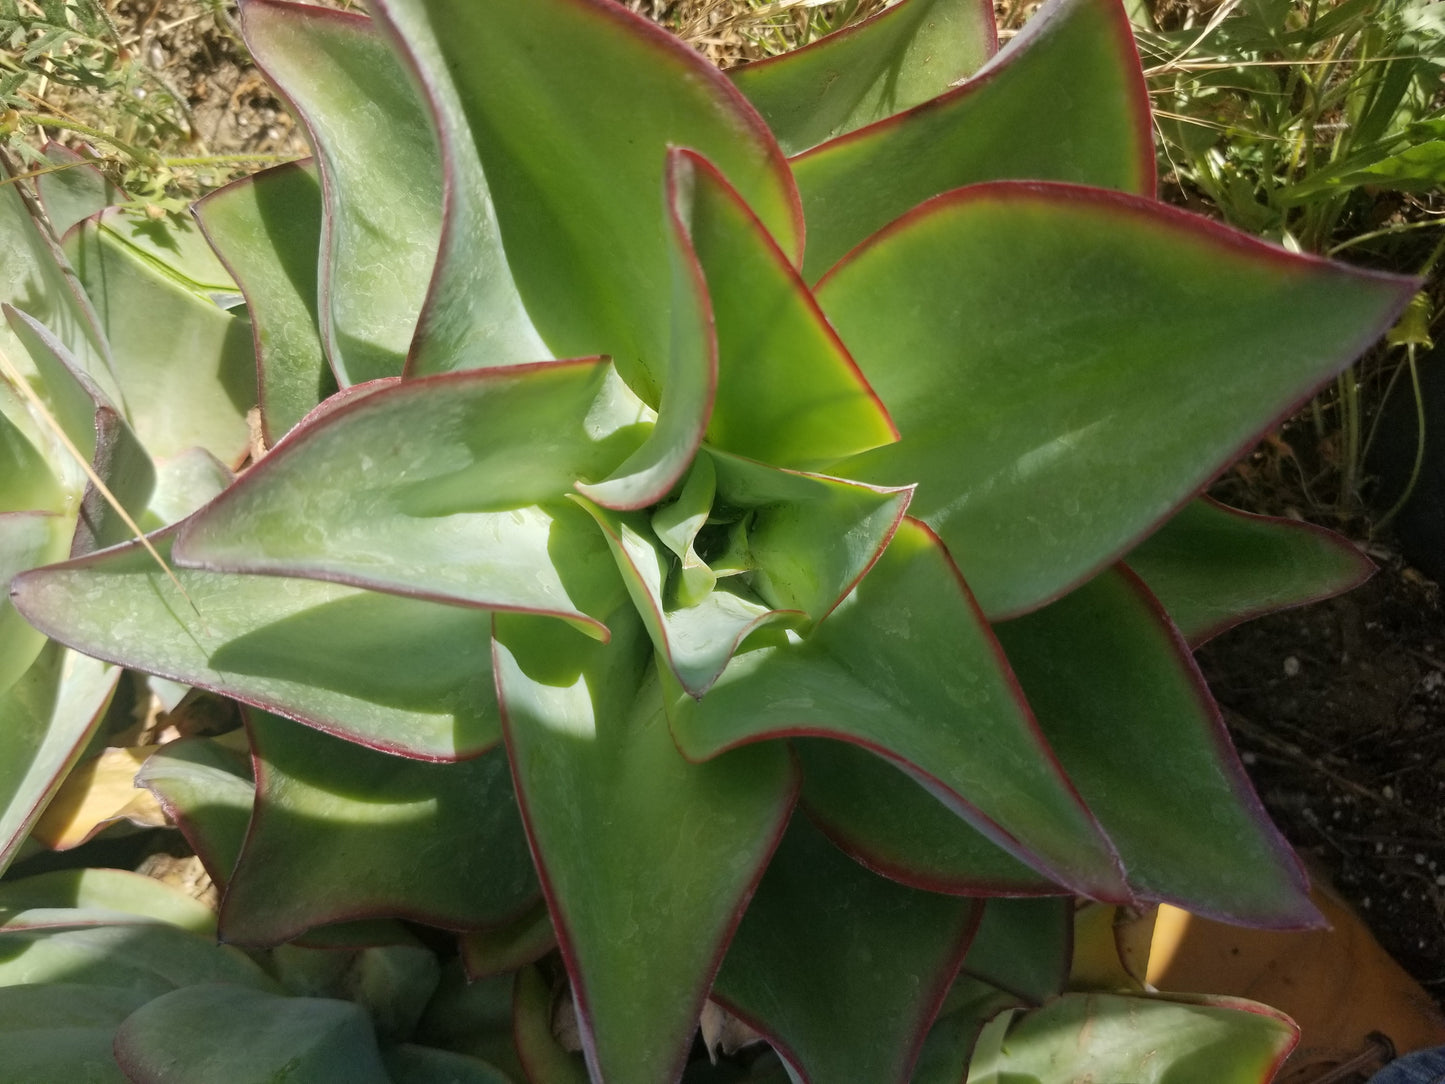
x=777, y=550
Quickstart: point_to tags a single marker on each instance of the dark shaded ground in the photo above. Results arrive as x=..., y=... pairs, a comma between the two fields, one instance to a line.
x=1338, y=710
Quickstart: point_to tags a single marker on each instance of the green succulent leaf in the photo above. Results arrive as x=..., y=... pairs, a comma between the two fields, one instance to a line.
x=174, y=245
x=1024, y=947
x=323, y=806
x=212, y=1031
x=27, y=540
x=68, y=394
x=902, y=57
x=845, y=981
x=393, y=983
x=536, y=87
x=96, y=429
x=907, y=667
x=206, y=789
x=676, y=525
x=691, y=379
x=47, y=716
x=183, y=485
x=76, y=896
x=1149, y=1040
x=1105, y=660
x=158, y=325
x=382, y=211
x=647, y=860
x=966, y=1011
x=128, y=473
x=433, y=488
x=888, y=822
x=34, y=1007
x=695, y=641
x=39, y=281
x=73, y=192
x=390, y=672
x=510, y=946
x=60, y=1033
x=1212, y=566
x=542, y=1056
x=473, y=317
x=145, y=958
x=268, y=229
x=408, y=1063
x=1009, y=122
x=473, y=1017
x=810, y=538
x=1117, y=355
x=787, y=391
x=27, y=483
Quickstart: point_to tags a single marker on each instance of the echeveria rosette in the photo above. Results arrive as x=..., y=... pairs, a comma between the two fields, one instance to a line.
x=693, y=542
x=109, y=975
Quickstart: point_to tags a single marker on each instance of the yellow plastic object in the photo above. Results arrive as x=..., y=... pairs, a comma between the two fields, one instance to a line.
x=1338, y=984
x=1112, y=947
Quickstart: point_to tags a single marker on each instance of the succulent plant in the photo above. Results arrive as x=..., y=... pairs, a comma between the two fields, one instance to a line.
x=790, y=628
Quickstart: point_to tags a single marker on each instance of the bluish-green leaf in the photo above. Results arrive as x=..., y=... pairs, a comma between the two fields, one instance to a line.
x=647, y=860
x=267, y=228
x=505, y=948
x=47, y=716
x=810, y=538
x=434, y=488
x=677, y=523
x=40, y=282
x=544, y=1059
x=147, y=958
x=1212, y=567
x=1166, y=784
x=473, y=317
x=695, y=641
x=207, y=791
x=382, y=211
x=27, y=540
x=442, y=843
x=1161, y=1040
x=1009, y=121
x=411, y=1064
x=901, y=57
x=841, y=969
x=688, y=381
x=392, y=672
x=185, y=367
x=116, y=892
x=219, y=1032
x=473, y=1017
x=906, y=667
x=1115, y=356
x=61, y=1033
x=95, y=427
x=787, y=391
x=1024, y=946
x=570, y=106
x=894, y=826
x=75, y=191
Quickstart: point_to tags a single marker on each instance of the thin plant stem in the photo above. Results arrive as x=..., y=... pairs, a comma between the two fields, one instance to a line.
x=1384, y=520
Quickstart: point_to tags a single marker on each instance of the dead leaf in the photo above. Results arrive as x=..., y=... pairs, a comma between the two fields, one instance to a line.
x=723, y=1033
x=99, y=792
x=186, y=874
